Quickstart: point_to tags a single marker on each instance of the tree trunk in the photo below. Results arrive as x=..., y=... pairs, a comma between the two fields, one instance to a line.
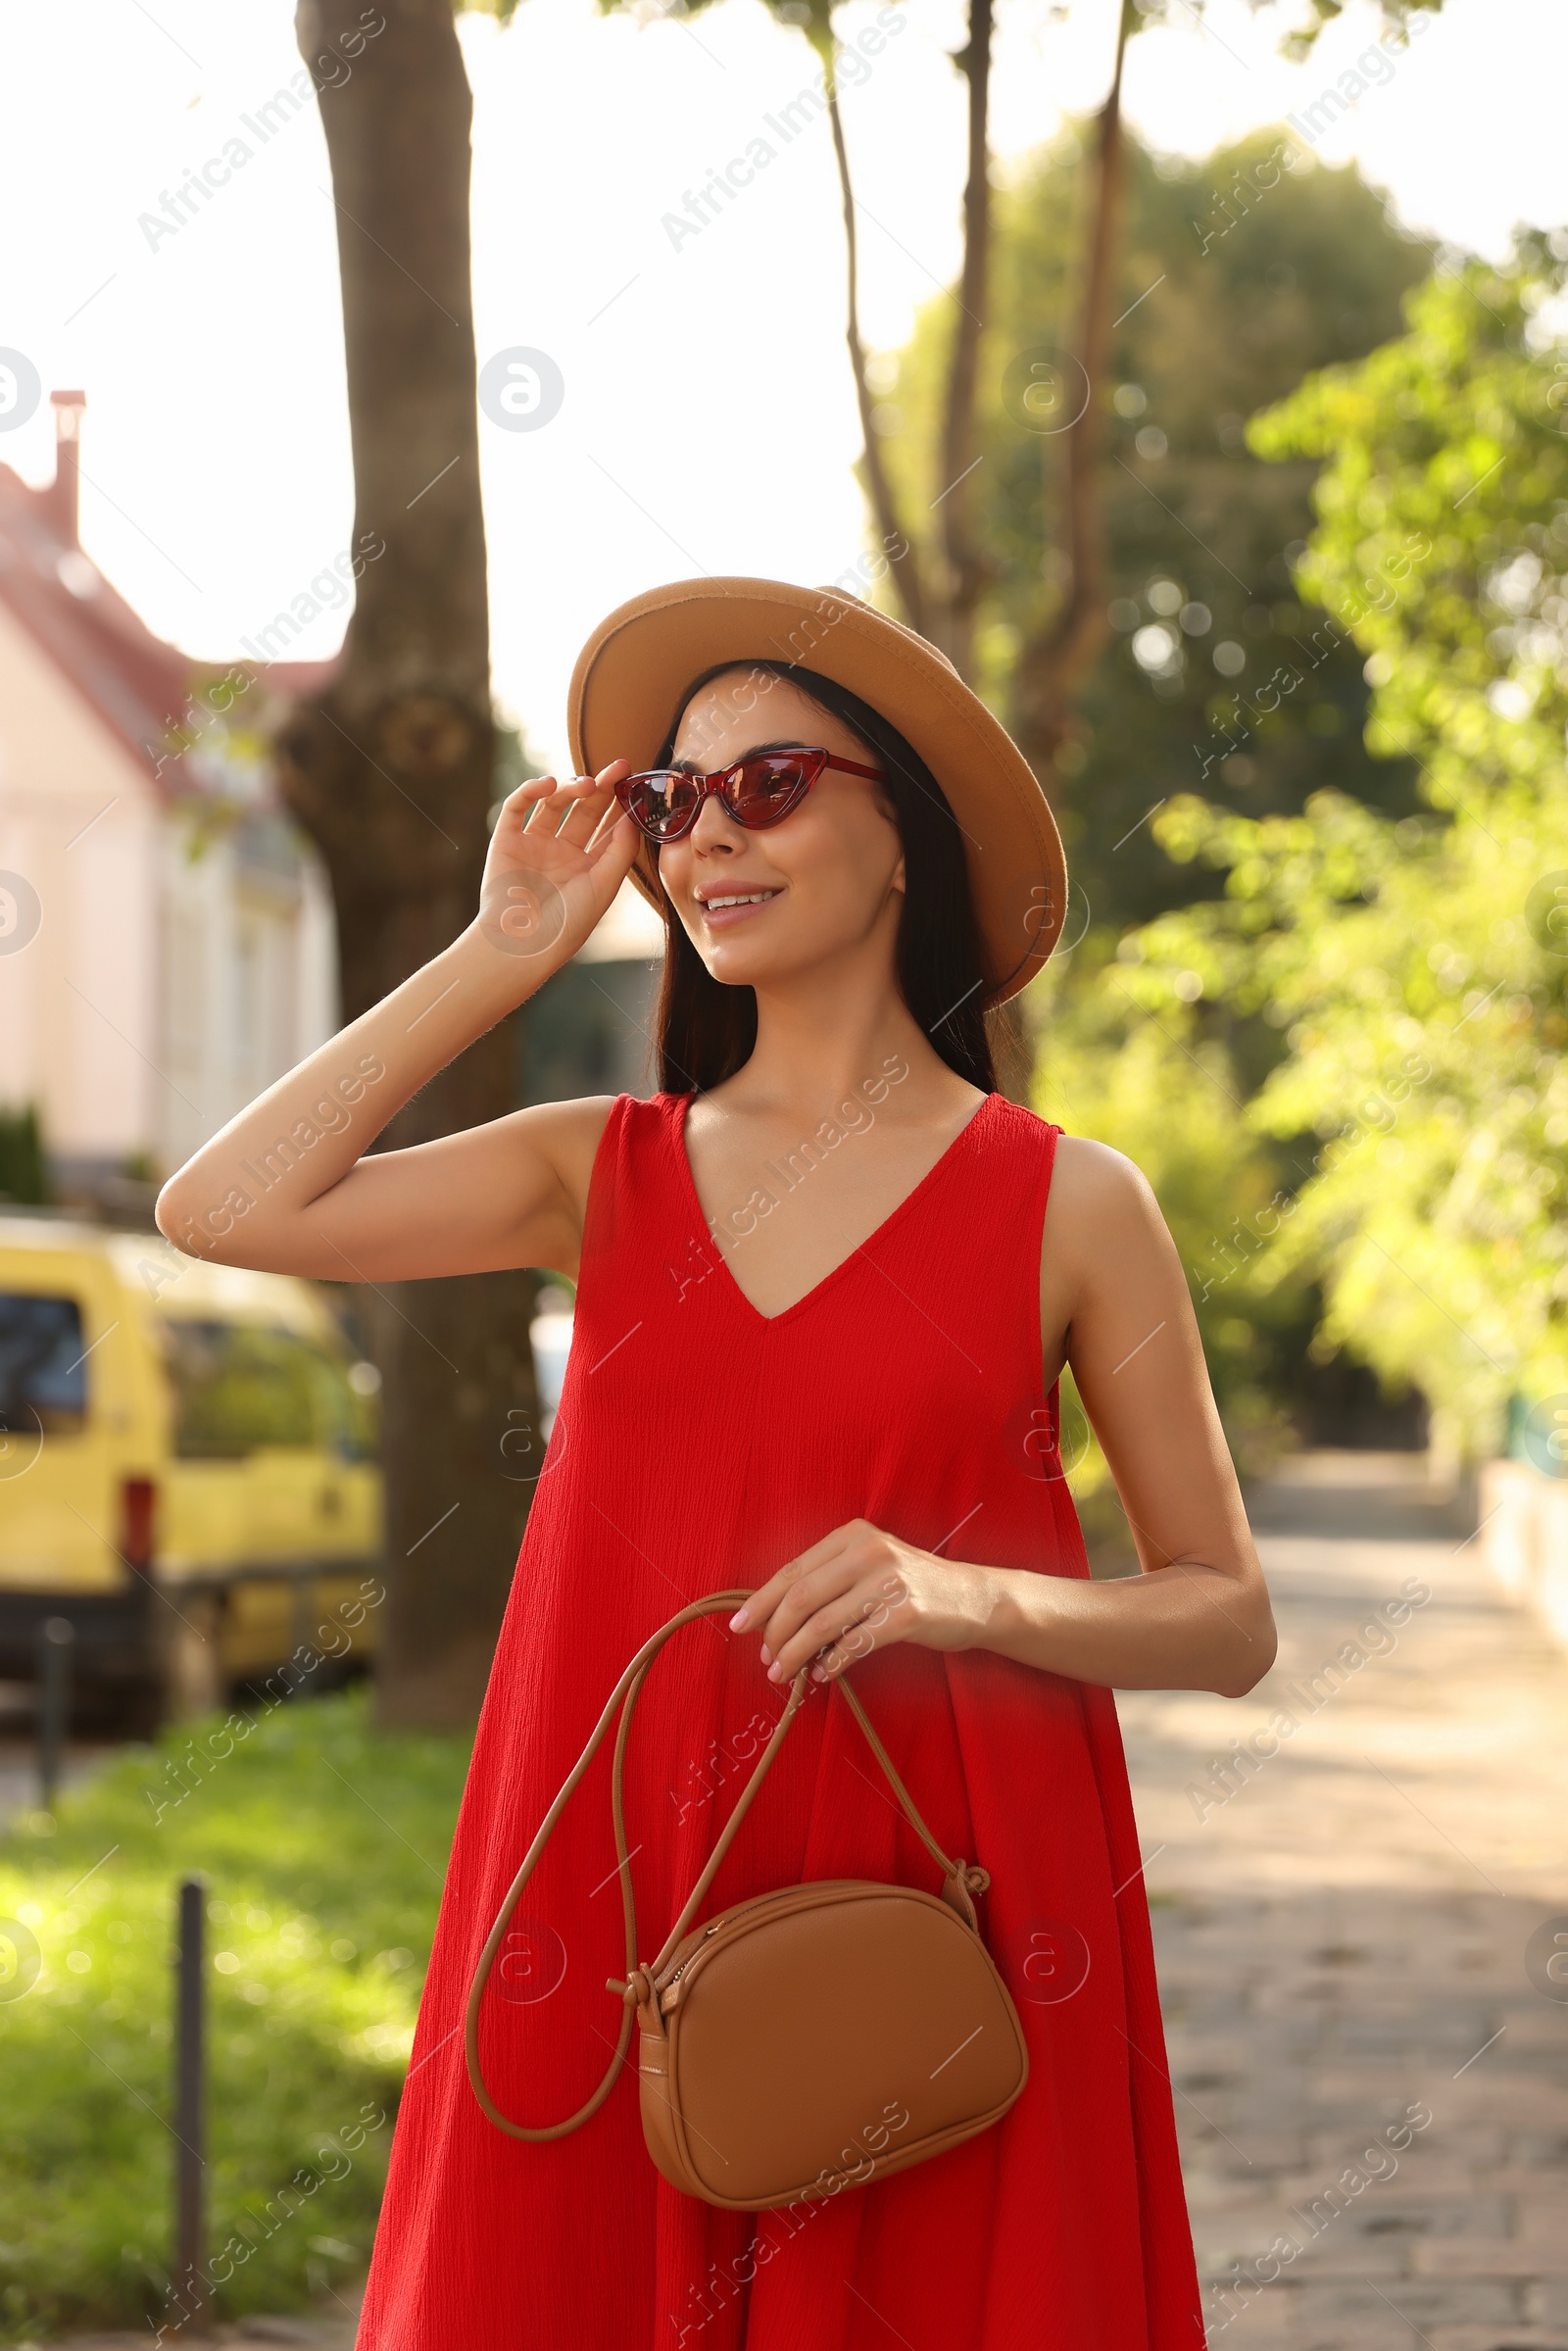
x=392, y=775
x=966, y=568
x=1055, y=663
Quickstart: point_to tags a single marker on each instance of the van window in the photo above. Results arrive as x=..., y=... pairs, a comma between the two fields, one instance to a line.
x=240, y=1385
x=43, y=1368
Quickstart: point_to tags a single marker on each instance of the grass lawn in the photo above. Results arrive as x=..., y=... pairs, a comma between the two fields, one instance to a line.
x=324, y=1846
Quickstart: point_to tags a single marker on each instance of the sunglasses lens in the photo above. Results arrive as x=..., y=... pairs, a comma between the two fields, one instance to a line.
x=658, y=802
x=767, y=788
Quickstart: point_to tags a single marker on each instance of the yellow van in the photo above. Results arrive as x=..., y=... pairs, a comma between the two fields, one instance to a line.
x=187, y=1471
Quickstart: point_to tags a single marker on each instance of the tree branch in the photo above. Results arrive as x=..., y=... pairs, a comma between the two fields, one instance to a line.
x=966, y=567
x=1060, y=655
x=904, y=566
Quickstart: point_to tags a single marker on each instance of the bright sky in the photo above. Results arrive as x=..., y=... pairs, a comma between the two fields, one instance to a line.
x=707, y=421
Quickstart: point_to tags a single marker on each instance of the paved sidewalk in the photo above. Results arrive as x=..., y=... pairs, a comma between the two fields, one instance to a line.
x=305, y=2335
x=1372, y=2094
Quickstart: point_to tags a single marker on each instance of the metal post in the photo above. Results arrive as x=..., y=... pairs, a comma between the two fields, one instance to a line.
x=192, y=2286
x=57, y=1637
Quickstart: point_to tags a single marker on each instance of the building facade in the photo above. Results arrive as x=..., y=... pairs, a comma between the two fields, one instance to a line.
x=166, y=936
x=167, y=942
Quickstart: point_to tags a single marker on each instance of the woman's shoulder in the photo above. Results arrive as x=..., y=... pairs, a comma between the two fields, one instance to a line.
x=592, y=1140
x=1082, y=1166
x=575, y=1128
x=1098, y=1192
x=565, y=1135
x=597, y=1125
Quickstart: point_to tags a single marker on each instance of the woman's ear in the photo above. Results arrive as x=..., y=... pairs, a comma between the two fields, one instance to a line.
x=898, y=878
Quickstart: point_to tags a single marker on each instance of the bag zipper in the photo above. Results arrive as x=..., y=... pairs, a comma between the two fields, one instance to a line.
x=714, y=1926
x=676, y=1976
x=730, y=1916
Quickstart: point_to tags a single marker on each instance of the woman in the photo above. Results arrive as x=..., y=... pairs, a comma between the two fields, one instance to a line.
x=827, y=1280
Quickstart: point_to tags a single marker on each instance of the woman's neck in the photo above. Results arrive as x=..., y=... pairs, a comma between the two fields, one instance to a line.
x=818, y=1043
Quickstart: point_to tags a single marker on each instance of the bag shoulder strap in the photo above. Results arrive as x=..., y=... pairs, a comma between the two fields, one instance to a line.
x=961, y=1880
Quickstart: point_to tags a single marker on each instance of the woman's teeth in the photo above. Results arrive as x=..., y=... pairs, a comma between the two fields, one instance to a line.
x=754, y=898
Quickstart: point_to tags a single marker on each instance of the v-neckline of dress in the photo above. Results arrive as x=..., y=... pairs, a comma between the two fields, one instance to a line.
x=836, y=1272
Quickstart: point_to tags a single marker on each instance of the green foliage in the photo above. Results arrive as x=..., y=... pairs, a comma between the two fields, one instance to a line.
x=1451, y=440
x=24, y=1170
x=1252, y=268
x=324, y=1848
x=1419, y=968
x=1397, y=15
x=1236, y=277
x=1152, y=1084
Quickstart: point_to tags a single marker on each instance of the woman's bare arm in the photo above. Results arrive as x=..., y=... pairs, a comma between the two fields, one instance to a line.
x=1199, y=1617
x=1115, y=1304
x=287, y=1187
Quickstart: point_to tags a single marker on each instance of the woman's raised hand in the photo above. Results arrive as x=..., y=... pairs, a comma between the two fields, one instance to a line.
x=556, y=858
x=323, y=1204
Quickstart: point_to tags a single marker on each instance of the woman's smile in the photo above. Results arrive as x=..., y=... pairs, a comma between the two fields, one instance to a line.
x=722, y=909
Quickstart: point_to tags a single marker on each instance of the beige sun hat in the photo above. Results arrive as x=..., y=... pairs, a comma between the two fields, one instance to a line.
x=624, y=689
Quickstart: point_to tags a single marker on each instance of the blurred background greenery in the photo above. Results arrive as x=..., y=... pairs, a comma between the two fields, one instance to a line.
x=1313, y=796
x=324, y=1844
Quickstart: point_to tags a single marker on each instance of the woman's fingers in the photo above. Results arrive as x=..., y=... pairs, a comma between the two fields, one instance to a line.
x=614, y=844
x=583, y=802
x=590, y=799
x=853, y=1622
x=769, y=1596
x=819, y=1580
x=526, y=802
x=519, y=805
x=612, y=817
x=875, y=1626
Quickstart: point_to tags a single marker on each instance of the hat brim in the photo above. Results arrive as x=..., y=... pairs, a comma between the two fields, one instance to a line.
x=629, y=675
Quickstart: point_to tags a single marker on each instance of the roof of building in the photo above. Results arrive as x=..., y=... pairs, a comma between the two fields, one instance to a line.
x=138, y=686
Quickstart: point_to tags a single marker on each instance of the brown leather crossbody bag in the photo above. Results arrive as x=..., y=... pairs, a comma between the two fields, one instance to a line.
x=806, y=2040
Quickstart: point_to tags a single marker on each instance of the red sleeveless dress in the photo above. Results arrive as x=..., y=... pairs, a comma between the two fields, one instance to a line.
x=699, y=1446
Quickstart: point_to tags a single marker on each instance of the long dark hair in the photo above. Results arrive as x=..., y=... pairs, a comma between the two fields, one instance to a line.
x=707, y=1028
